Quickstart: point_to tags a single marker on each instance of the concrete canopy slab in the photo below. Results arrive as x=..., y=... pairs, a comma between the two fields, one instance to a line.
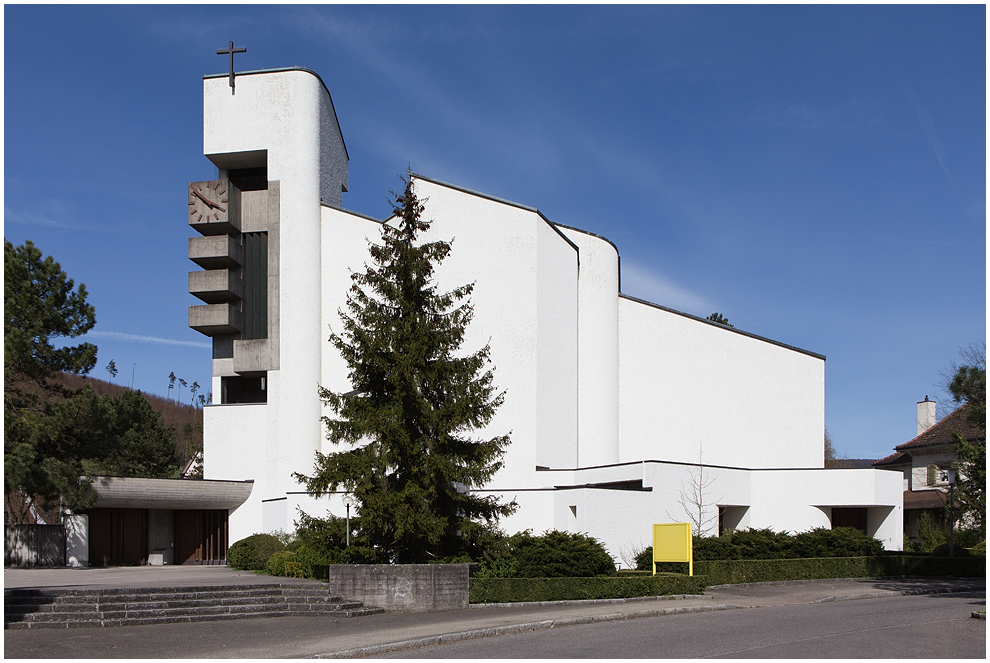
x=146, y=493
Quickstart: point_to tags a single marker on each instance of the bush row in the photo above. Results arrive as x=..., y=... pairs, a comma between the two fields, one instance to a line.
x=517, y=590
x=719, y=572
x=730, y=572
x=767, y=544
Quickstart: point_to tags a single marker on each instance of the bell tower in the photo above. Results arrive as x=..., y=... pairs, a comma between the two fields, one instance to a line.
x=280, y=155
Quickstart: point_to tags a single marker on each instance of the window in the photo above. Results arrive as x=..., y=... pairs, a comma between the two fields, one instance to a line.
x=243, y=390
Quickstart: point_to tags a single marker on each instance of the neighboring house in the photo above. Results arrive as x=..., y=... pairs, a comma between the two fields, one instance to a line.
x=924, y=460
x=616, y=406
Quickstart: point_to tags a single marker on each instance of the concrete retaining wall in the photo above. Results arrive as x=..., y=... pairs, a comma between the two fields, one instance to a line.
x=403, y=587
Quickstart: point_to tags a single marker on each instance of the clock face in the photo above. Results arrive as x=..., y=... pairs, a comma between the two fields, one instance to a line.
x=208, y=201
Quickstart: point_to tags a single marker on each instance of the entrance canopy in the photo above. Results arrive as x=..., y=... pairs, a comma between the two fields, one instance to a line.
x=184, y=494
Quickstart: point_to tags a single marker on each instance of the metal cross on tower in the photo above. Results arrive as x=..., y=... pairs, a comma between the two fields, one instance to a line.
x=230, y=50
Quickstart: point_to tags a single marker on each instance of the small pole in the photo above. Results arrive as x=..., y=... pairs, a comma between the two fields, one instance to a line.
x=348, y=501
x=951, y=477
x=951, y=518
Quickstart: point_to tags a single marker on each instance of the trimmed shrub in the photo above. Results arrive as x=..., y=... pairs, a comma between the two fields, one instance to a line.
x=837, y=542
x=252, y=553
x=326, y=541
x=561, y=555
x=943, y=550
x=729, y=572
x=760, y=544
x=500, y=567
x=644, y=560
x=930, y=533
x=711, y=547
x=518, y=590
x=766, y=544
x=277, y=562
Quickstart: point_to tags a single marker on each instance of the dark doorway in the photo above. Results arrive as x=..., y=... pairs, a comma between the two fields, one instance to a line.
x=201, y=537
x=117, y=537
x=849, y=517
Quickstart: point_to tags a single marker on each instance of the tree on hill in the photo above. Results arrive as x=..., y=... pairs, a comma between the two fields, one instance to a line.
x=54, y=435
x=413, y=404
x=720, y=319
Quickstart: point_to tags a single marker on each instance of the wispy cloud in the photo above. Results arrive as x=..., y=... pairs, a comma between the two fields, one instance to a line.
x=50, y=213
x=651, y=285
x=847, y=117
x=928, y=127
x=120, y=336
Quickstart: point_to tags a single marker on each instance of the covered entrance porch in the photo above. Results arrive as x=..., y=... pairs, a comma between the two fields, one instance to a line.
x=139, y=521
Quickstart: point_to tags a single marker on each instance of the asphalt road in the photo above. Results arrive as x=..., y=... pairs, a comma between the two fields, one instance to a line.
x=932, y=626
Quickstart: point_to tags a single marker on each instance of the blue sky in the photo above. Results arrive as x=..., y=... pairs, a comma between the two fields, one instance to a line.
x=816, y=174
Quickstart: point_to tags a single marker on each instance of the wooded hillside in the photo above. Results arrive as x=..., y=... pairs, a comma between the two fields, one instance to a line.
x=185, y=420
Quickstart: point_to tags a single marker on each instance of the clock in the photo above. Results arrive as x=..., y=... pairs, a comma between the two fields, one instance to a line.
x=212, y=207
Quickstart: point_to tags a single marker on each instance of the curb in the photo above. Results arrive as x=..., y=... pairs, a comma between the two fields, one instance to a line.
x=777, y=583
x=634, y=599
x=513, y=628
x=906, y=592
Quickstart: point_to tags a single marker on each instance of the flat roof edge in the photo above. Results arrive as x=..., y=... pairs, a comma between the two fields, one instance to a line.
x=721, y=326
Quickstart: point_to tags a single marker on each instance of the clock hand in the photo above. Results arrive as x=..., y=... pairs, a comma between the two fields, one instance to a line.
x=207, y=201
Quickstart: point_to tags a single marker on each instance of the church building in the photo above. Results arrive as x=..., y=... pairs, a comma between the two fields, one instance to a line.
x=620, y=410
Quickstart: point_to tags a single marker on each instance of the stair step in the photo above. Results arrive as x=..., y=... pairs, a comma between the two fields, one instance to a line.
x=157, y=605
x=165, y=603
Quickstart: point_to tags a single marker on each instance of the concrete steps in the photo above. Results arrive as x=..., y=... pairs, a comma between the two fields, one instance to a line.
x=80, y=608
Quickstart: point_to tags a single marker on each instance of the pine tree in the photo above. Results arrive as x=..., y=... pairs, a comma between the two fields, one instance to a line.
x=413, y=404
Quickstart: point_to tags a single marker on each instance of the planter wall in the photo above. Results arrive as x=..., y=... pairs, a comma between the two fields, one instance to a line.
x=403, y=587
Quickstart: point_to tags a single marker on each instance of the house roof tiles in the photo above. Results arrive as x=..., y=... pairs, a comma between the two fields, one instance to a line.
x=924, y=499
x=896, y=458
x=942, y=433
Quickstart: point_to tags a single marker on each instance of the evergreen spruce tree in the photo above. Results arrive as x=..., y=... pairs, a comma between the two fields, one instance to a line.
x=413, y=405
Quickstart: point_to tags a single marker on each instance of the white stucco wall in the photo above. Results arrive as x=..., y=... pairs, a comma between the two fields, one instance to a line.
x=236, y=448
x=782, y=500
x=598, y=350
x=495, y=246
x=557, y=347
x=688, y=387
x=76, y=540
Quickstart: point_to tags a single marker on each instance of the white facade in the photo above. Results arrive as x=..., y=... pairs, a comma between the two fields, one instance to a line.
x=612, y=402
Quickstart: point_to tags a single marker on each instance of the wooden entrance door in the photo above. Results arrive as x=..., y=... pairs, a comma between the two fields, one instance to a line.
x=201, y=537
x=118, y=537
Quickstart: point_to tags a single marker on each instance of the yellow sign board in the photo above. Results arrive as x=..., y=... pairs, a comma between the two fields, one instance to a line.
x=672, y=543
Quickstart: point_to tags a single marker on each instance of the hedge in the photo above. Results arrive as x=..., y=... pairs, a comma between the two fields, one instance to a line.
x=518, y=590
x=720, y=572
x=729, y=572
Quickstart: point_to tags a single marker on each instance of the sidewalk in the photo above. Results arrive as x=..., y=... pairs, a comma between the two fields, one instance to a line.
x=93, y=577
x=333, y=637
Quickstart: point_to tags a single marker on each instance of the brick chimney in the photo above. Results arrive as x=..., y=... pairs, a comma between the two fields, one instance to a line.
x=926, y=415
